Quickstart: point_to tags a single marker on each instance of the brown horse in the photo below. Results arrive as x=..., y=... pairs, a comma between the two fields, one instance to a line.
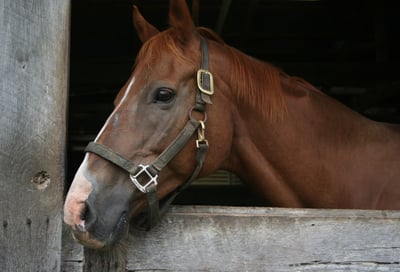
x=194, y=105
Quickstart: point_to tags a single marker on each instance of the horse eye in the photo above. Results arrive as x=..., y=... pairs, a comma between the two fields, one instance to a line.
x=163, y=95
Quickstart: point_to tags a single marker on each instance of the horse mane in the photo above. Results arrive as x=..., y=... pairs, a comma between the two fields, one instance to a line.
x=254, y=82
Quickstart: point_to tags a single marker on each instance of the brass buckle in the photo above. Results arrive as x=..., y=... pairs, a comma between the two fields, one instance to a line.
x=201, y=138
x=200, y=74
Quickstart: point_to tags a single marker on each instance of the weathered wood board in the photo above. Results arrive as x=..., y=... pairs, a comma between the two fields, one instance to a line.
x=34, y=48
x=72, y=253
x=201, y=238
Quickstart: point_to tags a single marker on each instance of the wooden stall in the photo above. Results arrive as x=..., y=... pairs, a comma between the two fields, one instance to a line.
x=350, y=53
x=205, y=238
x=34, y=59
x=348, y=49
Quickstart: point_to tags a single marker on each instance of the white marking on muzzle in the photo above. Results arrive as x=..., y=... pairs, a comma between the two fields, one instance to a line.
x=78, y=193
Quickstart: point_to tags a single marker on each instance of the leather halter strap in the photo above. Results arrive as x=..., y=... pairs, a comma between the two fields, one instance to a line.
x=205, y=90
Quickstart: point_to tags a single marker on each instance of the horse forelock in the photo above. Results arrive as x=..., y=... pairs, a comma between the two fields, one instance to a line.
x=154, y=48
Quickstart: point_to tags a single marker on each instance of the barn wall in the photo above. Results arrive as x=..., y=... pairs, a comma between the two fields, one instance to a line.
x=34, y=52
x=201, y=238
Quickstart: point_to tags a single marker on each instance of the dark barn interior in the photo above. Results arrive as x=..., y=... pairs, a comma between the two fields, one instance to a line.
x=348, y=49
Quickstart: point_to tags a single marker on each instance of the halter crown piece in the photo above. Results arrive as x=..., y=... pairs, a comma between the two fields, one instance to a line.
x=148, y=174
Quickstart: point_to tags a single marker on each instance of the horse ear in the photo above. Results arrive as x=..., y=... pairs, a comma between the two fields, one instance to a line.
x=181, y=19
x=144, y=29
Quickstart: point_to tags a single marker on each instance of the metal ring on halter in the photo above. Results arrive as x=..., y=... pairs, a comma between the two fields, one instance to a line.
x=204, y=114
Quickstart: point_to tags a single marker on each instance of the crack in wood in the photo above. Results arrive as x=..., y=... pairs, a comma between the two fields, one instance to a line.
x=345, y=263
x=376, y=248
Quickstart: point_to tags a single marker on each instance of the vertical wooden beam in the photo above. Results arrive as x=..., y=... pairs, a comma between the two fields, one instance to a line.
x=34, y=51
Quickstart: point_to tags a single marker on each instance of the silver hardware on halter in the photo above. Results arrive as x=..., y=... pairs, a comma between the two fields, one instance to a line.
x=143, y=170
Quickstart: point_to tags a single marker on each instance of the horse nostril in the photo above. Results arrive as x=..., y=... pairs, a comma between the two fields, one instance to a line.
x=87, y=216
x=85, y=213
x=80, y=227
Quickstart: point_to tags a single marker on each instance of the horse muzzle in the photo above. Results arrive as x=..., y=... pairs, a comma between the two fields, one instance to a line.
x=93, y=238
x=98, y=218
x=84, y=238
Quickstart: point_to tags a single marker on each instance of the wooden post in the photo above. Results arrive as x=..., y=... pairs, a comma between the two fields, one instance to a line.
x=34, y=49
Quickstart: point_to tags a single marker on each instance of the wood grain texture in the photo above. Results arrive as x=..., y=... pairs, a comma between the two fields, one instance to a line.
x=72, y=253
x=261, y=239
x=33, y=93
x=201, y=238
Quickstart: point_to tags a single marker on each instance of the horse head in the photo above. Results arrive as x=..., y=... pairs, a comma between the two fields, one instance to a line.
x=166, y=118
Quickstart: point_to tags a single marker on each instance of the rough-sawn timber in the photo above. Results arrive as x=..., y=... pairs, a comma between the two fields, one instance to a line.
x=203, y=238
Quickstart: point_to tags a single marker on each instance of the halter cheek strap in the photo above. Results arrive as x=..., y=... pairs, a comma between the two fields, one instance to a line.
x=149, y=173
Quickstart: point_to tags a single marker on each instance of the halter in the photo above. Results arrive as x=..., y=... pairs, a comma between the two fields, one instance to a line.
x=149, y=173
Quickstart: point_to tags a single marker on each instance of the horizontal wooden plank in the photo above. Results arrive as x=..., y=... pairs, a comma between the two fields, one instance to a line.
x=265, y=239
x=205, y=238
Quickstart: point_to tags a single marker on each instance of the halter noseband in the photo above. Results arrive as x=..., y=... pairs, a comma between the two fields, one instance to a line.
x=205, y=89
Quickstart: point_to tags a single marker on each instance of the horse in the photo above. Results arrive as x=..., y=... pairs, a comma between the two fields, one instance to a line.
x=193, y=105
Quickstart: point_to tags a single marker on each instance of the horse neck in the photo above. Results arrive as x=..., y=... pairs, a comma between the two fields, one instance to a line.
x=287, y=160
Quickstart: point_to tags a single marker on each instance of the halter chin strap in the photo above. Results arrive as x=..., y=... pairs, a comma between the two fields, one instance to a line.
x=149, y=173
